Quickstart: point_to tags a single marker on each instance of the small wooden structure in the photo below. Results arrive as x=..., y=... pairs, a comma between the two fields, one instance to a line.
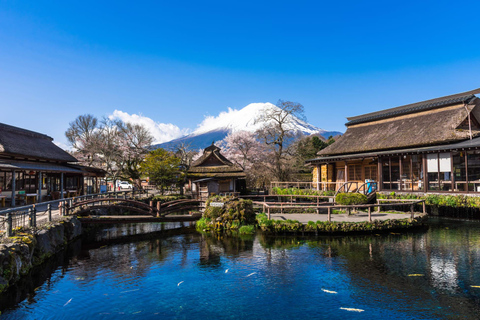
x=212, y=173
x=428, y=146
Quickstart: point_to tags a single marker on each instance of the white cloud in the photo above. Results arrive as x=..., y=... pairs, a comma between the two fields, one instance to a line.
x=161, y=132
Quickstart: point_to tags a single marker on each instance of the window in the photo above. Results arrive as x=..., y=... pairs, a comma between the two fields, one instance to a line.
x=354, y=172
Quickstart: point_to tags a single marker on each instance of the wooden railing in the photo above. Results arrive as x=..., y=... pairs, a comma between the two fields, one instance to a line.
x=27, y=216
x=321, y=186
x=267, y=206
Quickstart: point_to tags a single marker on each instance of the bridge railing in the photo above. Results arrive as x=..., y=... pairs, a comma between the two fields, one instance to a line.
x=13, y=219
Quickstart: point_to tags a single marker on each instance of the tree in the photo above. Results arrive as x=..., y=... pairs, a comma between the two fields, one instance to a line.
x=83, y=136
x=243, y=149
x=185, y=153
x=112, y=145
x=162, y=167
x=277, y=132
x=135, y=140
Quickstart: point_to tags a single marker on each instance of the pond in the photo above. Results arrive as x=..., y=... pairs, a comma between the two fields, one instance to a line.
x=430, y=274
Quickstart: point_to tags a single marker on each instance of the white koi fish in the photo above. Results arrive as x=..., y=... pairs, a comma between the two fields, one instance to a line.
x=352, y=309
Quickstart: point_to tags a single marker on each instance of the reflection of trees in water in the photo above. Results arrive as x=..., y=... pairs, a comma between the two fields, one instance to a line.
x=215, y=245
x=131, y=260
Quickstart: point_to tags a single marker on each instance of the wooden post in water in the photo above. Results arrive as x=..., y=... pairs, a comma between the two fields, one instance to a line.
x=411, y=211
x=158, y=209
x=329, y=214
x=268, y=213
x=424, y=208
x=369, y=214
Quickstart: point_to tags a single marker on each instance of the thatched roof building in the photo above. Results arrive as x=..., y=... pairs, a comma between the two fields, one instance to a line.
x=212, y=164
x=432, y=122
x=32, y=165
x=415, y=147
x=213, y=173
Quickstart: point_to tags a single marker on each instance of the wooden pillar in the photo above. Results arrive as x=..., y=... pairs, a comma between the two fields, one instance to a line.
x=401, y=172
x=61, y=185
x=425, y=173
x=466, y=169
x=423, y=205
x=346, y=171
x=329, y=216
x=13, y=187
x=39, y=197
x=370, y=214
x=452, y=176
x=412, y=213
x=379, y=174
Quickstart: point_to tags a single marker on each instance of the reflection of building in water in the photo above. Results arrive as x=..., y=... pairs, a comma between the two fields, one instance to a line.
x=443, y=272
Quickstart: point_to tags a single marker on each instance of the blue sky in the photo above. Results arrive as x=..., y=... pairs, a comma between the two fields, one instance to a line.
x=177, y=62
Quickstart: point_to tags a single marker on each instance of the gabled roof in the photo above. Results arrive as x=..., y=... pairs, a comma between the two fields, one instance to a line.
x=464, y=97
x=208, y=153
x=213, y=164
x=21, y=143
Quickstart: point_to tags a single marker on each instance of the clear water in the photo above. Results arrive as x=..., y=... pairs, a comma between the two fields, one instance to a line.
x=422, y=275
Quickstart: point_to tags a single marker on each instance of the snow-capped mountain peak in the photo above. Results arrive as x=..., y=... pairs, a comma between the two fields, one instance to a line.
x=216, y=128
x=247, y=119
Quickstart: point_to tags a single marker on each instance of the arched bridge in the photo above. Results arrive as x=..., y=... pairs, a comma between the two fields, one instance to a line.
x=137, y=211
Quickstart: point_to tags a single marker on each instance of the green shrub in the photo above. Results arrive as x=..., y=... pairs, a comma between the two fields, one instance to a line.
x=301, y=192
x=350, y=198
x=248, y=229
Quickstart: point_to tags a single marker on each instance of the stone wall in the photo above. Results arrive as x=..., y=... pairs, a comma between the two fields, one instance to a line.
x=18, y=254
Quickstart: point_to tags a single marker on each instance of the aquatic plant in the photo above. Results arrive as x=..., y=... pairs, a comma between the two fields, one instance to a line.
x=248, y=229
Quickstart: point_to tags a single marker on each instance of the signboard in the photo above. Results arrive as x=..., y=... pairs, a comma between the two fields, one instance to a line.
x=216, y=204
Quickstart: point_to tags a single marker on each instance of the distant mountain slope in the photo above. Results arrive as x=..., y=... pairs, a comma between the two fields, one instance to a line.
x=214, y=129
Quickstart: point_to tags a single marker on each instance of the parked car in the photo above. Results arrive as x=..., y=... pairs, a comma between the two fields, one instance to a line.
x=124, y=185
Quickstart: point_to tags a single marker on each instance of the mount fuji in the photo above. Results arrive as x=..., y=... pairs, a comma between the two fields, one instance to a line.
x=217, y=128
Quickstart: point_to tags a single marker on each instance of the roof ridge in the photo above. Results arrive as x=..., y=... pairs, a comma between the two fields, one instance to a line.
x=18, y=130
x=414, y=107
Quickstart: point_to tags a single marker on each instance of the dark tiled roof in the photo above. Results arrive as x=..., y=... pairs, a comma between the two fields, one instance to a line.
x=21, y=143
x=463, y=97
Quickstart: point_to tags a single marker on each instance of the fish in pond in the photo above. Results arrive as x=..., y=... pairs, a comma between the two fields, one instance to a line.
x=329, y=291
x=352, y=309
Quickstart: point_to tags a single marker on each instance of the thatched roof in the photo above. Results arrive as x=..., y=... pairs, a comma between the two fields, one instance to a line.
x=455, y=99
x=213, y=164
x=402, y=128
x=21, y=143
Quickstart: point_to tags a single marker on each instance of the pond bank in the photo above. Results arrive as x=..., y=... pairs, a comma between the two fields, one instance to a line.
x=20, y=253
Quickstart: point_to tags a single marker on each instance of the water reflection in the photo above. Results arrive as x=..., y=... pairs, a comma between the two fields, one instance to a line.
x=420, y=275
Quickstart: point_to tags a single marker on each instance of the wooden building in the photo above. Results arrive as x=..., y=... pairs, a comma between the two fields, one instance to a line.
x=429, y=146
x=34, y=169
x=213, y=173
